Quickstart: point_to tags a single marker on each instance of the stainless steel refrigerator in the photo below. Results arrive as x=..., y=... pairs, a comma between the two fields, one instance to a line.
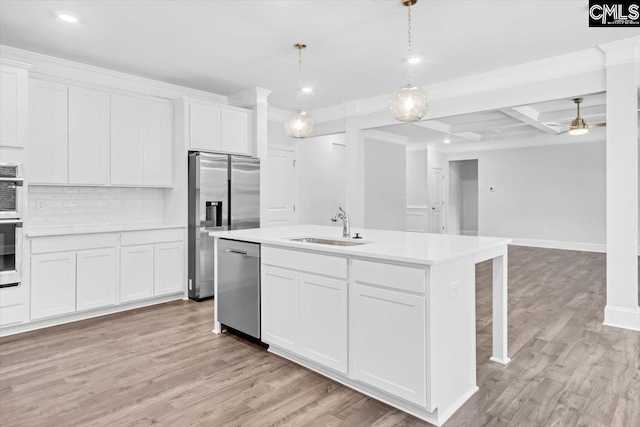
x=224, y=194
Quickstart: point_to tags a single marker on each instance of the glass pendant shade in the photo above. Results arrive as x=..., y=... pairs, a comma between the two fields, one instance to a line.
x=299, y=124
x=408, y=104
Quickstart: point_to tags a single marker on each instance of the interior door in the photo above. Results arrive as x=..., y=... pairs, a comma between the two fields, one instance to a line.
x=280, y=179
x=436, y=196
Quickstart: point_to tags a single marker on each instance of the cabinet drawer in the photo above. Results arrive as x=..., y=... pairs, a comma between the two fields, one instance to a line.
x=11, y=315
x=326, y=265
x=145, y=237
x=401, y=277
x=42, y=245
x=11, y=296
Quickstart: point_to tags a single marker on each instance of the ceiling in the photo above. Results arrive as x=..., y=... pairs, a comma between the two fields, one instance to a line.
x=549, y=118
x=357, y=49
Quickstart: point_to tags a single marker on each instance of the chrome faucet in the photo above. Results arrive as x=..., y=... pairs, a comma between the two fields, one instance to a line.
x=344, y=216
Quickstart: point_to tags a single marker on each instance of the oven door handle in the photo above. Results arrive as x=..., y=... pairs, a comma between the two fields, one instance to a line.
x=17, y=222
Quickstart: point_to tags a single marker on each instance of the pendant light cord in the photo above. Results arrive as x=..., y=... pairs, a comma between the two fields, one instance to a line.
x=299, y=78
x=409, y=45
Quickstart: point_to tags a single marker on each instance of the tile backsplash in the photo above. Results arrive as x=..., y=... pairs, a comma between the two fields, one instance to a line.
x=53, y=206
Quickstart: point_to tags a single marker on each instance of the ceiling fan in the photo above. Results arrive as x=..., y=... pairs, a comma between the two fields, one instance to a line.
x=578, y=126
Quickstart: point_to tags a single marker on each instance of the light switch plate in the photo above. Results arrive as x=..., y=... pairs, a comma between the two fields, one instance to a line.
x=454, y=289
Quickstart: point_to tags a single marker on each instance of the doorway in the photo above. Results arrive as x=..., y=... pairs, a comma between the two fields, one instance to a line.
x=462, y=215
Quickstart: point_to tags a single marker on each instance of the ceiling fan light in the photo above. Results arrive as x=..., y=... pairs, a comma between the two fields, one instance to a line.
x=408, y=104
x=299, y=124
x=578, y=127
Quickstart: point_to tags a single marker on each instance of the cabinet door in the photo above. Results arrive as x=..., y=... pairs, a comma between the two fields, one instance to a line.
x=279, y=316
x=126, y=141
x=234, y=131
x=136, y=273
x=157, y=122
x=53, y=284
x=204, y=127
x=13, y=106
x=169, y=268
x=97, y=284
x=48, y=133
x=88, y=149
x=387, y=341
x=323, y=320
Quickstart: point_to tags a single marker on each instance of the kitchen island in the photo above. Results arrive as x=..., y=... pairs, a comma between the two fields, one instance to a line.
x=391, y=315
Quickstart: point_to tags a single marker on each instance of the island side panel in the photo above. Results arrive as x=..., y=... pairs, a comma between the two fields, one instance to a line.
x=452, y=330
x=217, y=328
x=500, y=308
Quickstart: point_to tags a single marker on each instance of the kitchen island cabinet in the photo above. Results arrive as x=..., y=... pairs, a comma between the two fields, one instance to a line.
x=392, y=316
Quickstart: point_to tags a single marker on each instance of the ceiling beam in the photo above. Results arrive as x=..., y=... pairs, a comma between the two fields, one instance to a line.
x=445, y=128
x=570, y=113
x=530, y=116
x=483, y=125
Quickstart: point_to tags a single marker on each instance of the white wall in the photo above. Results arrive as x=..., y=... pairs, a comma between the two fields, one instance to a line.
x=560, y=188
x=417, y=178
x=385, y=185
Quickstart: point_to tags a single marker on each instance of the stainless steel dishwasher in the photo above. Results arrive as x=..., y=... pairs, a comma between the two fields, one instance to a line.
x=239, y=286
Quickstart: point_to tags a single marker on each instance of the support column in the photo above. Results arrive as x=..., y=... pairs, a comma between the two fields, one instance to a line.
x=354, y=166
x=622, y=184
x=256, y=99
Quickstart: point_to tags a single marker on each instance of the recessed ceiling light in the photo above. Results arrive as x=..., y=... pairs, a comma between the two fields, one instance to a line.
x=68, y=17
x=307, y=89
x=414, y=59
x=446, y=141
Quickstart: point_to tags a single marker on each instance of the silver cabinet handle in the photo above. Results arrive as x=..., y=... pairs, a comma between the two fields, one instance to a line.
x=236, y=251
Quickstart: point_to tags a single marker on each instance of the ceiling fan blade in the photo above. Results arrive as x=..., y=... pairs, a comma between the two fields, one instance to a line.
x=560, y=133
x=597, y=125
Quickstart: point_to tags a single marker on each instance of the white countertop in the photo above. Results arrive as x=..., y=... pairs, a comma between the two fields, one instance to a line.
x=89, y=229
x=416, y=248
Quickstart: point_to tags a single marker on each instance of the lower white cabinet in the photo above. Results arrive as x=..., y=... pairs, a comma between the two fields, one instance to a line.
x=136, y=272
x=96, y=279
x=279, y=301
x=323, y=320
x=388, y=325
x=53, y=284
x=168, y=268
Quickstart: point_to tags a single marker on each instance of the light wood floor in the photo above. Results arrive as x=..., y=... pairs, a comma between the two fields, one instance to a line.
x=163, y=366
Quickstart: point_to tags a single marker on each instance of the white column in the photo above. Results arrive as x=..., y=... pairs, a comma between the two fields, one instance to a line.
x=354, y=166
x=256, y=99
x=500, y=309
x=622, y=184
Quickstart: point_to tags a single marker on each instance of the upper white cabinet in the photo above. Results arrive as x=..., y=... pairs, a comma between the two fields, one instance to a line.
x=68, y=134
x=13, y=105
x=48, y=152
x=141, y=142
x=88, y=143
x=217, y=128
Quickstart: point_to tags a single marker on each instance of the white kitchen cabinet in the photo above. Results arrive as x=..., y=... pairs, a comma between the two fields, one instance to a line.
x=53, y=284
x=88, y=142
x=323, y=320
x=48, y=133
x=279, y=300
x=169, y=275
x=136, y=273
x=126, y=141
x=13, y=105
x=204, y=127
x=234, y=132
x=96, y=279
x=386, y=326
x=157, y=131
x=141, y=142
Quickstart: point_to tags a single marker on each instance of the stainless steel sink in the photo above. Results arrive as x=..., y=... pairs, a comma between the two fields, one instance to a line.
x=332, y=242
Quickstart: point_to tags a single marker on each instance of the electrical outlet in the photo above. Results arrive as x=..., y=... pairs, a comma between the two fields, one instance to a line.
x=123, y=203
x=545, y=231
x=39, y=205
x=454, y=289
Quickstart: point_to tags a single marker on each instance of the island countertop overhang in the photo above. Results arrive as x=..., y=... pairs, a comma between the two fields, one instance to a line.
x=398, y=246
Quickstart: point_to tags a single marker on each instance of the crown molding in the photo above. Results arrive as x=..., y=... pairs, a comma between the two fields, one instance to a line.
x=623, y=51
x=249, y=97
x=15, y=64
x=46, y=66
x=379, y=135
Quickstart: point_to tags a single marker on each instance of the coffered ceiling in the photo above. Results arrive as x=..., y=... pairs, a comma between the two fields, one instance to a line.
x=356, y=48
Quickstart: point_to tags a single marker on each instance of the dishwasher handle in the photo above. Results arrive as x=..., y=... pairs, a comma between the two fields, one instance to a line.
x=239, y=248
x=235, y=251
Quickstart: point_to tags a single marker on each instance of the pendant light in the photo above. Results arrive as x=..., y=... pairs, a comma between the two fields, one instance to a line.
x=300, y=123
x=409, y=103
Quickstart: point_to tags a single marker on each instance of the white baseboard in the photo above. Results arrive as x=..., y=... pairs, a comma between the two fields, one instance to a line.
x=621, y=317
